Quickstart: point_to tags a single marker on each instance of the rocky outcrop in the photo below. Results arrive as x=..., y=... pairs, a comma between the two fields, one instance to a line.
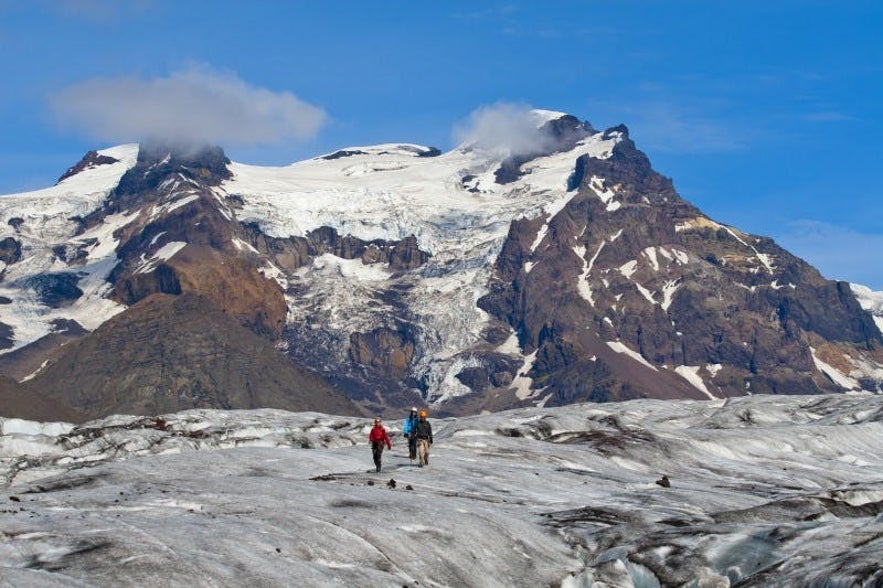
x=158, y=164
x=494, y=370
x=386, y=350
x=295, y=251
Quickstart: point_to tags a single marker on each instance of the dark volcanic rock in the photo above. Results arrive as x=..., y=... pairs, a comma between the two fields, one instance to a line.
x=400, y=255
x=417, y=151
x=138, y=286
x=206, y=166
x=430, y=152
x=90, y=160
x=294, y=252
x=342, y=153
x=74, y=253
x=6, y=334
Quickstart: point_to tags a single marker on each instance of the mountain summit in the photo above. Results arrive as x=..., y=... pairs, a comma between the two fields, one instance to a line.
x=557, y=268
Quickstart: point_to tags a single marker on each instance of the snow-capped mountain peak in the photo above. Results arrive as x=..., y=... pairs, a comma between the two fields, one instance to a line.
x=544, y=265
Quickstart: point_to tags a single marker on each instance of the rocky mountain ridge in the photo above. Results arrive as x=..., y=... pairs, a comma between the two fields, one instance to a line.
x=477, y=279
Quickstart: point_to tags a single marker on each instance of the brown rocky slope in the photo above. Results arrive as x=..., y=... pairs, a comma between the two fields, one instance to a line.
x=170, y=353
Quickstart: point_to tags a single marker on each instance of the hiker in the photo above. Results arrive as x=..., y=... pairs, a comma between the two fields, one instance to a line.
x=409, y=430
x=423, y=432
x=377, y=438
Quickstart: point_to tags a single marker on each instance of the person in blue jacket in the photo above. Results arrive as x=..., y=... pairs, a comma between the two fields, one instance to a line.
x=409, y=430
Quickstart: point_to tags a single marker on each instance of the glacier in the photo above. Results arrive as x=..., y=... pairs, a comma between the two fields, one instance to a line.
x=750, y=491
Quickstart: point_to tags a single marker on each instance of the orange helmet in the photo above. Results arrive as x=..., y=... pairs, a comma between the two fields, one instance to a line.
x=423, y=414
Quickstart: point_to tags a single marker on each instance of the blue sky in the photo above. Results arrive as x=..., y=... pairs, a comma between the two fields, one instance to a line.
x=768, y=115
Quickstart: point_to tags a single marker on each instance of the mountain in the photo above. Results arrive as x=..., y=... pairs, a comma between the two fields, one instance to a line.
x=753, y=491
x=190, y=324
x=33, y=405
x=482, y=278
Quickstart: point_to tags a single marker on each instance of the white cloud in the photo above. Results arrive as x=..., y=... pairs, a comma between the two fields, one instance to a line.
x=506, y=127
x=839, y=253
x=194, y=106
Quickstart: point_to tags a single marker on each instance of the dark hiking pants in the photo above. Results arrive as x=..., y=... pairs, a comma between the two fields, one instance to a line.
x=377, y=452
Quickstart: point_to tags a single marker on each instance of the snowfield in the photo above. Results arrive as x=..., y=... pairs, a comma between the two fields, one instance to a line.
x=757, y=491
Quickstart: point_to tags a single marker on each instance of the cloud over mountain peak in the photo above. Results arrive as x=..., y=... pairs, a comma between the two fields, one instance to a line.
x=196, y=105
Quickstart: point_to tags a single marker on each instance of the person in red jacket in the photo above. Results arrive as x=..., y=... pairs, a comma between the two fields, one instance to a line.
x=378, y=437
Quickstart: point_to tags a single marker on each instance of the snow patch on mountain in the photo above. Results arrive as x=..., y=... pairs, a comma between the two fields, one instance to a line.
x=691, y=374
x=668, y=292
x=836, y=375
x=350, y=269
x=871, y=301
x=605, y=194
x=522, y=382
x=620, y=347
x=582, y=283
x=76, y=195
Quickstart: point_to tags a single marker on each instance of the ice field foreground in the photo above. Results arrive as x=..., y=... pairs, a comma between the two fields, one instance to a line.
x=764, y=490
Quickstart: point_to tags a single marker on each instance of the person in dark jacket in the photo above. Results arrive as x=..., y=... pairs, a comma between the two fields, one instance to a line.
x=378, y=437
x=409, y=430
x=423, y=432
